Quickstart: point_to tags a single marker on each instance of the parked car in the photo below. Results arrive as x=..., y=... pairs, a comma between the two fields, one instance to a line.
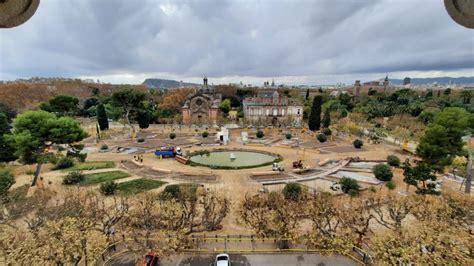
x=222, y=260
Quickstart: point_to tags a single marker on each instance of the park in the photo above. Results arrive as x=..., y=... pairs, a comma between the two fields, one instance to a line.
x=336, y=186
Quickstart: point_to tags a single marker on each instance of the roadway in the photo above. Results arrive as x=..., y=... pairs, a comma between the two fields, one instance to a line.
x=305, y=259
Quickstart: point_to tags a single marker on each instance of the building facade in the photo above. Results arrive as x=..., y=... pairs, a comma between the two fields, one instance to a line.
x=272, y=109
x=201, y=107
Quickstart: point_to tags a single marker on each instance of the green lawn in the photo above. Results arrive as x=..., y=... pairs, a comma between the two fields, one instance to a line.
x=139, y=185
x=92, y=179
x=92, y=165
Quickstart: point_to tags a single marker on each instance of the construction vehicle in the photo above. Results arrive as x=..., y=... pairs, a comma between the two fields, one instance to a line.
x=168, y=152
x=298, y=164
x=277, y=167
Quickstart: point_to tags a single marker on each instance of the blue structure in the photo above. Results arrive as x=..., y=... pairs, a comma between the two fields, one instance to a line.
x=167, y=153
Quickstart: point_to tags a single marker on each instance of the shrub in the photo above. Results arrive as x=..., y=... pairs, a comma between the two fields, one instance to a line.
x=140, y=140
x=288, y=136
x=6, y=181
x=322, y=138
x=73, y=178
x=327, y=131
x=393, y=160
x=81, y=157
x=292, y=191
x=390, y=185
x=108, y=188
x=260, y=134
x=104, y=147
x=64, y=162
x=205, y=134
x=172, y=135
x=382, y=172
x=349, y=184
x=372, y=189
x=172, y=191
x=344, y=113
x=358, y=143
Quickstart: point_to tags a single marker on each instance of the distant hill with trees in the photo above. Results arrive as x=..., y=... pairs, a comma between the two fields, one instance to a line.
x=165, y=83
x=24, y=95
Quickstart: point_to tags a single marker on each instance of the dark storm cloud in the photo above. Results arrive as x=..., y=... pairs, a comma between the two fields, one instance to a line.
x=235, y=38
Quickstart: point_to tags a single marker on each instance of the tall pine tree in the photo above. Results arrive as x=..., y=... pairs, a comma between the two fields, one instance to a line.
x=307, y=94
x=314, y=121
x=102, y=117
x=326, y=118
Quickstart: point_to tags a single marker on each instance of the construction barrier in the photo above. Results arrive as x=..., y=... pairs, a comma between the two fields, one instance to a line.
x=181, y=159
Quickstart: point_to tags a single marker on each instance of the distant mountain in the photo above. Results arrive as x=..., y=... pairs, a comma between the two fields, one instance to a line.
x=165, y=83
x=439, y=80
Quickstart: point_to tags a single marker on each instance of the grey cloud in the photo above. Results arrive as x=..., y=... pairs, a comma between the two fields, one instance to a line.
x=235, y=38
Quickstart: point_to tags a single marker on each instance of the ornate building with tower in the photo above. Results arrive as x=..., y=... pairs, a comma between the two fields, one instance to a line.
x=201, y=107
x=272, y=109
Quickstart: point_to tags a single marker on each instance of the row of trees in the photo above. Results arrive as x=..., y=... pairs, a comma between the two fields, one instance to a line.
x=440, y=232
x=80, y=226
x=131, y=105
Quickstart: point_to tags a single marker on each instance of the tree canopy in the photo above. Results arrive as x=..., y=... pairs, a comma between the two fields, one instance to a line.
x=314, y=121
x=35, y=131
x=225, y=106
x=442, y=140
x=61, y=105
x=8, y=111
x=102, y=118
x=130, y=101
x=6, y=148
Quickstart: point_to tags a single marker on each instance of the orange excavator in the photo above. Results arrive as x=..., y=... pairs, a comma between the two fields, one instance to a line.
x=298, y=164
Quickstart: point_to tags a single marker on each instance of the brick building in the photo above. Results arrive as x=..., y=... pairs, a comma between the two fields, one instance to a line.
x=201, y=107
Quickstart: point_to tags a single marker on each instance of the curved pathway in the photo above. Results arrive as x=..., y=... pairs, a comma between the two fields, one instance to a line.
x=324, y=173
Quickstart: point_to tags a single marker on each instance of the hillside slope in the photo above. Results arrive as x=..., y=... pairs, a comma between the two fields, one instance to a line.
x=27, y=95
x=165, y=83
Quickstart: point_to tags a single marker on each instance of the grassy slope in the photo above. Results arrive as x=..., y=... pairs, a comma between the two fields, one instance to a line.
x=92, y=179
x=139, y=185
x=92, y=165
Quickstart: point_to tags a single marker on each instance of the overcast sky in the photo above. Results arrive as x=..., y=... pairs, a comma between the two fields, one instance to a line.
x=294, y=41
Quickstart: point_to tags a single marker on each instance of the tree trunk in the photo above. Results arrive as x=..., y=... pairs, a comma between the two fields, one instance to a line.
x=37, y=173
x=468, y=174
x=128, y=121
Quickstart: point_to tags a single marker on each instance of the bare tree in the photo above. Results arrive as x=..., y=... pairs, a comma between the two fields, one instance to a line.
x=393, y=212
x=215, y=209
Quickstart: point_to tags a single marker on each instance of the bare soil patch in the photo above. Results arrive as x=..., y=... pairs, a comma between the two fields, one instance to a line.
x=342, y=149
x=279, y=176
x=196, y=178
